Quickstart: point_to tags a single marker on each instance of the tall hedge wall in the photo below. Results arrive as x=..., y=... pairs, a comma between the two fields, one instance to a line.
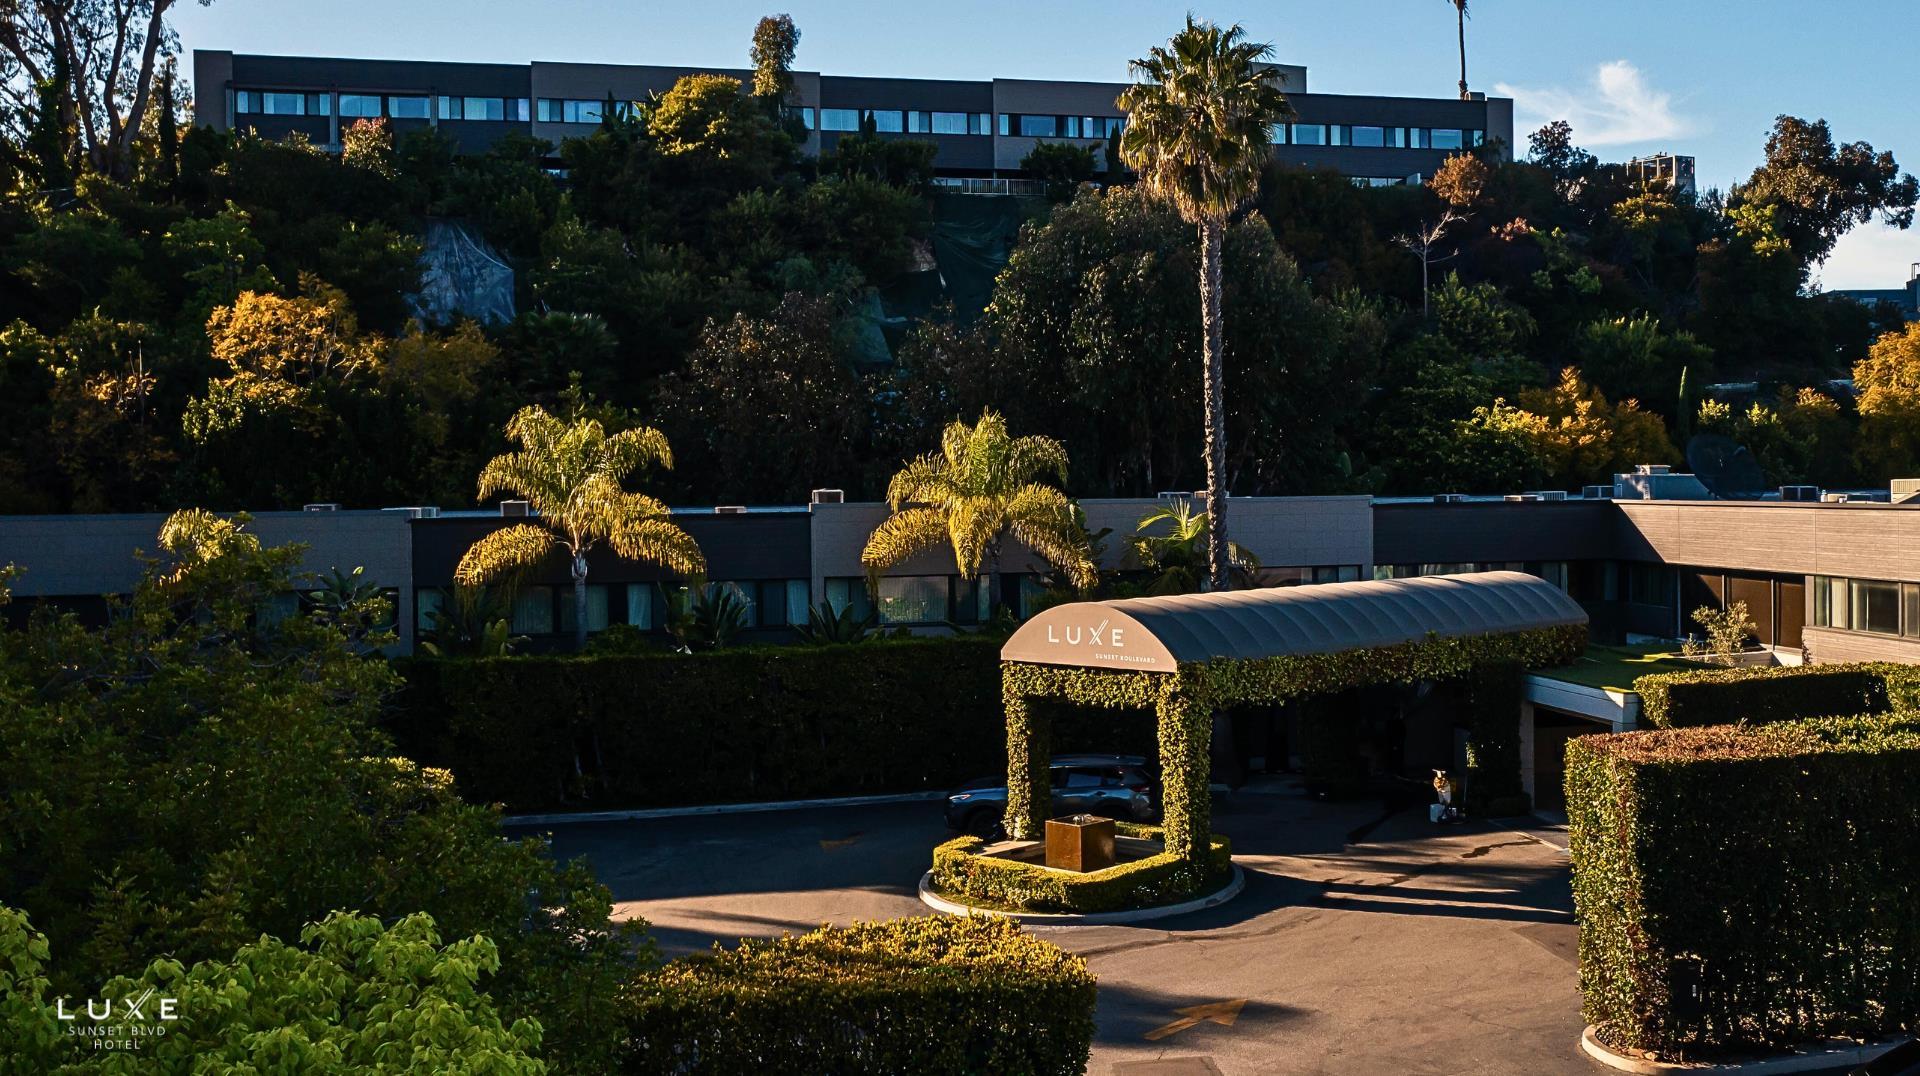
x=931, y=994
x=1744, y=886
x=766, y=723
x=1764, y=693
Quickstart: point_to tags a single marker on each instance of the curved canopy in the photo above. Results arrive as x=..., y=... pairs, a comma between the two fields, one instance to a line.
x=1156, y=634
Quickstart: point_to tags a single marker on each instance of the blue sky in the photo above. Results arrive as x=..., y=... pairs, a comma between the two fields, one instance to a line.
x=1704, y=77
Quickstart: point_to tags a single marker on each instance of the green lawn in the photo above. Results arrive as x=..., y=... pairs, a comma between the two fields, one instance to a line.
x=1616, y=667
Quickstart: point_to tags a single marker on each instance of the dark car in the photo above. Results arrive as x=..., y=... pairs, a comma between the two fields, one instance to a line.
x=1115, y=786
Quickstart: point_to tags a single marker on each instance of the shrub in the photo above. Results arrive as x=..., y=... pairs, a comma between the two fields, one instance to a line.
x=362, y=997
x=752, y=723
x=930, y=994
x=1744, y=886
x=1764, y=693
x=961, y=872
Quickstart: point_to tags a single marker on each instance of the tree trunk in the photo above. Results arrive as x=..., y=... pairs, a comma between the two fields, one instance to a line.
x=1213, y=395
x=579, y=602
x=996, y=586
x=1464, y=95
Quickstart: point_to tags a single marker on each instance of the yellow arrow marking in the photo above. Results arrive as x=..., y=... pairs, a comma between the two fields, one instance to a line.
x=1223, y=1013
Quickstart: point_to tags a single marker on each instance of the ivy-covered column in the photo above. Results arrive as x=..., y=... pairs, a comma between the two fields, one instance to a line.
x=1029, y=749
x=1186, y=730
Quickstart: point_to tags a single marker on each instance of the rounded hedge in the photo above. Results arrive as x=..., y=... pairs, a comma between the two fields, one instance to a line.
x=927, y=994
x=962, y=874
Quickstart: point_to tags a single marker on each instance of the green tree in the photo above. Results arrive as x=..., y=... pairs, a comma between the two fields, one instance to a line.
x=1888, y=384
x=1197, y=133
x=1825, y=190
x=775, y=40
x=1061, y=166
x=572, y=475
x=1178, y=557
x=984, y=487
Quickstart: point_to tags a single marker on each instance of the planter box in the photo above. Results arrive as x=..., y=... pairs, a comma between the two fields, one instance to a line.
x=1080, y=843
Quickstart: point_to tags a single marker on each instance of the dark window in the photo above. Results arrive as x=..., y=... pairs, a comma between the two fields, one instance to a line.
x=408, y=108
x=840, y=119
x=1039, y=126
x=889, y=121
x=1649, y=584
x=1873, y=606
x=1309, y=134
x=1369, y=136
x=359, y=106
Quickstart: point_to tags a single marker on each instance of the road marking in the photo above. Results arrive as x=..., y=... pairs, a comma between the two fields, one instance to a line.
x=1223, y=1013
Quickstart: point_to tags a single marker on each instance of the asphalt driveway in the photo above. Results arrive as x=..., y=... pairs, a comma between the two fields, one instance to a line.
x=1367, y=940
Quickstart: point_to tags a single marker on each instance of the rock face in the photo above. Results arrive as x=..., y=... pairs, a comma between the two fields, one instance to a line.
x=461, y=277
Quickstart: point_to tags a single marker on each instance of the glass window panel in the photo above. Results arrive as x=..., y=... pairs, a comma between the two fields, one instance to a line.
x=913, y=599
x=1006, y=122
x=919, y=123
x=583, y=111
x=533, y=611
x=1910, y=616
x=1476, y=138
x=1397, y=136
x=1419, y=137
x=799, y=599
x=1039, y=126
x=1072, y=126
x=746, y=592
x=484, y=108
x=243, y=101
x=551, y=110
x=1338, y=134
x=1277, y=134
x=849, y=592
x=1447, y=138
x=359, y=105
x=425, y=604
x=449, y=108
x=980, y=123
x=890, y=121
x=1370, y=136
x=839, y=119
x=1829, y=602
x=516, y=108
x=1309, y=134
x=408, y=108
x=640, y=605
x=949, y=123
x=1873, y=607
x=596, y=607
x=286, y=104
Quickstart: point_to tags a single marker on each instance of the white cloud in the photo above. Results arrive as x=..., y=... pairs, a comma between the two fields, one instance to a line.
x=1871, y=256
x=1617, y=109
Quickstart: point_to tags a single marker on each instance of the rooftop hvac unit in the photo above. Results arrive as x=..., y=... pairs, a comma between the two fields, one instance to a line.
x=516, y=509
x=1799, y=493
x=1905, y=490
x=1519, y=497
x=829, y=496
x=1833, y=498
x=1551, y=494
x=1449, y=498
x=325, y=506
x=1597, y=493
x=422, y=511
x=729, y=509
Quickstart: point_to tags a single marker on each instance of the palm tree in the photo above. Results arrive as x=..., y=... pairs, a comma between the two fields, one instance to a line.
x=982, y=487
x=1197, y=133
x=571, y=475
x=1179, y=556
x=1460, y=6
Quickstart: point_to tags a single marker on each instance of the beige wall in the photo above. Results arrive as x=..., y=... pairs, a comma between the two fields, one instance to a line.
x=1825, y=646
x=1864, y=541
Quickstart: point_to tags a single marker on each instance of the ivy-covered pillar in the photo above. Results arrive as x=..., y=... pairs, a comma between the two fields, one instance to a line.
x=1029, y=750
x=1186, y=730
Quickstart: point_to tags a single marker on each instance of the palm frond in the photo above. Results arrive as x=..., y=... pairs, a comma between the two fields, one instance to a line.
x=900, y=536
x=503, y=553
x=653, y=539
x=1042, y=519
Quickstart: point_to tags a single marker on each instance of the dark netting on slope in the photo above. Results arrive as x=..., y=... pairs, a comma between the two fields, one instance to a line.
x=461, y=277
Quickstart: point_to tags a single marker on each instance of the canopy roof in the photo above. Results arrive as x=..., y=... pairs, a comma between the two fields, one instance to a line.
x=1156, y=634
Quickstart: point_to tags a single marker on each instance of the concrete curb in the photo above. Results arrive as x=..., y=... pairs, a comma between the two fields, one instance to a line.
x=1092, y=919
x=1819, y=1057
x=718, y=808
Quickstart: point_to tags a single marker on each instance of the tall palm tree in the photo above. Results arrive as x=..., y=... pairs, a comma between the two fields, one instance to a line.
x=571, y=476
x=1197, y=132
x=982, y=487
x=1460, y=6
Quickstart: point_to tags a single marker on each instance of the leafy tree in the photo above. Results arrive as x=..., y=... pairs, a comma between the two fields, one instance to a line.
x=984, y=487
x=1197, y=133
x=1178, y=557
x=368, y=144
x=1633, y=358
x=1803, y=437
x=775, y=40
x=1568, y=434
x=1061, y=166
x=1888, y=384
x=357, y=996
x=199, y=772
x=898, y=162
x=572, y=475
x=1461, y=180
x=1824, y=190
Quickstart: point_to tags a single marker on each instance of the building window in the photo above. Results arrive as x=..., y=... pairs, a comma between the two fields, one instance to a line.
x=359, y=106
x=581, y=111
x=449, y=108
x=478, y=108
x=888, y=121
x=1873, y=606
x=1277, y=134
x=425, y=604
x=517, y=109
x=409, y=108
x=839, y=119
x=549, y=110
x=1006, y=122
x=1476, y=138
x=1071, y=128
x=1338, y=134
x=980, y=123
x=919, y=122
x=1447, y=138
x=913, y=599
x=844, y=594
x=596, y=607
x=532, y=611
x=1829, y=602
x=1039, y=126
x=274, y=103
x=1369, y=136
x=1649, y=584
x=640, y=605
x=1309, y=134
x=1910, y=610
x=946, y=123
x=804, y=115
x=1417, y=138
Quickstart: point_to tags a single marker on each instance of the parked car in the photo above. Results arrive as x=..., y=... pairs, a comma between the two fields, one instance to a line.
x=1114, y=786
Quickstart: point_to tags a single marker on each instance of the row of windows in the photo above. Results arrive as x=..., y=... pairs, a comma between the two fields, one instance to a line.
x=1883, y=608
x=1553, y=571
x=1031, y=126
x=545, y=610
x=1344, y=134
x=576, y=110
x=512, y=109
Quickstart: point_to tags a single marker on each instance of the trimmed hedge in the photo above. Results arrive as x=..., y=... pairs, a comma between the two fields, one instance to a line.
x=961, y=872
x=1744, y=886
x=762, y=723
x=1760, y=694
x=929, y=994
